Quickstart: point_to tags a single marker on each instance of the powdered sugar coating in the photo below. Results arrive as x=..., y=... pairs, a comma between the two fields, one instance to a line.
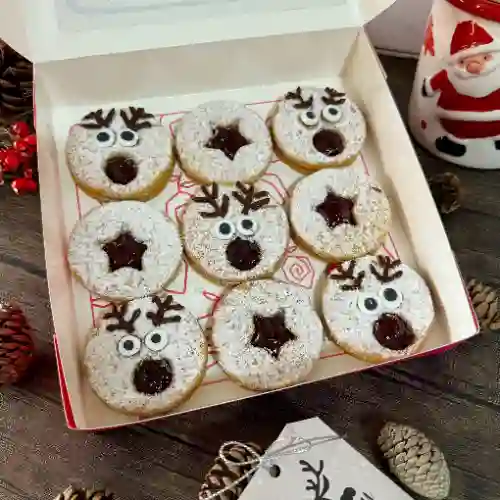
x=209, y=251
x=111, y=374
x=296, y=139
x=212, y=165
x=104, y=224
x=371, y=212
x=87, y=158
x=233, y=328
x=352, y=327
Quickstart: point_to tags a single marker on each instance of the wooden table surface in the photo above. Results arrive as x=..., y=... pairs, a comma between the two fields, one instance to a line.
x=454, y=397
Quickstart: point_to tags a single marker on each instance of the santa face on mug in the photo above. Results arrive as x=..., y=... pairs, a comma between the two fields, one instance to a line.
x=468, y=106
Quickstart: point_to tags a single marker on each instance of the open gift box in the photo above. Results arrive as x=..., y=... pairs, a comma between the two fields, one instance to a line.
x=170, y=56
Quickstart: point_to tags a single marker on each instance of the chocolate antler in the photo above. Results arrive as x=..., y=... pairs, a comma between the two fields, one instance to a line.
x=119, y=313
x=100, y=121
x=136, y=114
x=297, y=95
x=341, y=273
x=212, y=198
x=388, y=265
x=158, y=317
x=333, y=97
x=250, y=199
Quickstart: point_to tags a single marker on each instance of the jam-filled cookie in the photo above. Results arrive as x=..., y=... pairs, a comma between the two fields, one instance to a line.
x=224, y=142
x=266, y=334
x=377, y=308
x=234, y=234
x=146, y=356
x=124, y=250
x=120, y=154
x=316, y=128
x=339, y=214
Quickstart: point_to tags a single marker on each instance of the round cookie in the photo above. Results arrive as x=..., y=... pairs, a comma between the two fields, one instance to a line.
x=266, y=334
x=146, y=356
x=339, y=214
x=316, y=128
x=233, y=234
x=224, y=142
x=120, y=154
x=377, y=308
x=124, y=250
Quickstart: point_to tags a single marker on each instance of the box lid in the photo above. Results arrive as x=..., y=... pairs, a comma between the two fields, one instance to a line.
x=48, y=30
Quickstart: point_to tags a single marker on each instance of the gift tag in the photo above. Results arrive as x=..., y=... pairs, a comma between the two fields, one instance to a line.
x=310, y=462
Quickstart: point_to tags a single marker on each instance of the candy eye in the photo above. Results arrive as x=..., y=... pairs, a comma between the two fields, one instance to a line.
x=309, y=118
x=247, y=226
x=156, y=340
x=225, y=230
x=129, y=346
x=332, y=114
x=368, y=304
x=392, y=298
x=106, y=138
x=128, y=138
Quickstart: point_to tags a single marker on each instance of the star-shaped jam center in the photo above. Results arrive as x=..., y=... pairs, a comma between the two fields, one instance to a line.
x=227, y=139
x=270, y=333
x=125, y=251
x=337, y=210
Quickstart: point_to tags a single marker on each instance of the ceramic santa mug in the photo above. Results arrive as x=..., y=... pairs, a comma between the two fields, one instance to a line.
x=455, y=105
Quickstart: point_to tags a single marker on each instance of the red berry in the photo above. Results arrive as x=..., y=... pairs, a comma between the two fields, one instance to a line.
x=20, y=129
x=24, y=186
x=3, y=154
x=20, y=146
x=11, y=161
x=28, y=173
x=30, y=140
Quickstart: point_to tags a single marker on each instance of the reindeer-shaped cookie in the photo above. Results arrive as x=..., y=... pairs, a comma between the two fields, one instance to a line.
x=146, y=356
x=316, y=128
x=376, y=308
x=235, y=233
x=120, y=154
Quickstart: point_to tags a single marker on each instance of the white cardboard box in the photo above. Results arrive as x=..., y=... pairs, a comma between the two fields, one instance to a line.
x=170, y=55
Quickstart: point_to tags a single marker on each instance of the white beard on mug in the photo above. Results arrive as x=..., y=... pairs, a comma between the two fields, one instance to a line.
x=481, y=85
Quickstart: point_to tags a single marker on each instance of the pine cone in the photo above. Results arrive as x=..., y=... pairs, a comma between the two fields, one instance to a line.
x=222, y=474
x=16, y=85
x=84, y=494
x=16, y=344
x=485, y=302
x=415, y=460
x=446, y=191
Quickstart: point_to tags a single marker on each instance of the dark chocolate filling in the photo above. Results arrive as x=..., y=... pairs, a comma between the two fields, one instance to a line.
x=121, y=169
x=228, y=139
x=337, y=210
x=153, y=376
x=393, y=332
x=125, y=251
x=270, y=333
x=243, y=255
x=329, y=142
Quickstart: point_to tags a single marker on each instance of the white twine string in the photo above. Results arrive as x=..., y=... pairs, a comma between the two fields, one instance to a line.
x=297, y=446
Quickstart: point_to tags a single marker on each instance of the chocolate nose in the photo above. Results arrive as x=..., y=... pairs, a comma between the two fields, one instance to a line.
x=153, y=376
x=121, y=169
x=243, y=255
x=394, y=332
x=329, y=142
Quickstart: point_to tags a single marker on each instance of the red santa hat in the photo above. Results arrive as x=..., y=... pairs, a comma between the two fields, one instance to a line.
x=470, y=39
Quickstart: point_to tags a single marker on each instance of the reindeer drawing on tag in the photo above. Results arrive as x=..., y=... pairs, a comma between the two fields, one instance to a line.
x=319, y=484
x=377, y=306
x=119, y=152
x=235, y=234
